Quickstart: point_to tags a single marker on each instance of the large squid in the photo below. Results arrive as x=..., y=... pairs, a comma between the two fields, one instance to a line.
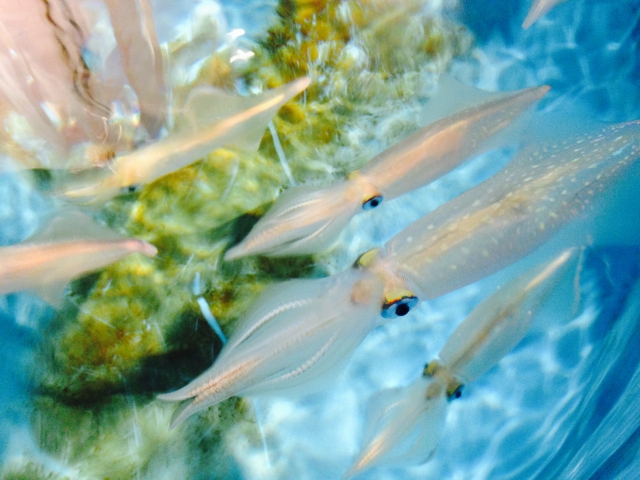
x=301, y=332
x=404, y=425
x=307, y=219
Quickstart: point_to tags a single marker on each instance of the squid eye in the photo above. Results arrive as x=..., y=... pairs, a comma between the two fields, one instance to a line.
x=399, y=305
x=366, y=258
x=454, y=393
x=131, y=188
x=372, y=202
x=431, y=368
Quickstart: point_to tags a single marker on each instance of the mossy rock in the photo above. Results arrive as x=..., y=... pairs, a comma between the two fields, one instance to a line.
x=127, y=437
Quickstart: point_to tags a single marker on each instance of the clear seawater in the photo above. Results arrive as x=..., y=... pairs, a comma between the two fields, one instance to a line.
x=564, y=404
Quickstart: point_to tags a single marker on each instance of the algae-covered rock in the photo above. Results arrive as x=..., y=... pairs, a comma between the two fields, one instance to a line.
x=368, y=59
x=136, y=329
x=127, y=437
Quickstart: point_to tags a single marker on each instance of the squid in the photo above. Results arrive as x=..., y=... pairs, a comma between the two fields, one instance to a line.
x=141, y=58
x=307, y=219
x=538, y=9
x=70, y=245
x=50, y=74
x=302, y=332
x=201, y=129
x=404, y=425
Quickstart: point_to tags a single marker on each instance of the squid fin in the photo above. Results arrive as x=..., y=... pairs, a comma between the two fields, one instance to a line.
x=209, y=105
x=52, y=293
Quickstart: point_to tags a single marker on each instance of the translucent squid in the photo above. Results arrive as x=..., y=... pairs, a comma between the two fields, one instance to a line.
x=403, y=425
x=307, y=219
x=301, y=332
x=202, y=128
x=67, y=92
x=68, y=246
x=538, y=9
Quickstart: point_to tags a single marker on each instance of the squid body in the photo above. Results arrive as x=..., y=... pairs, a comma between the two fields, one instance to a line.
x=404, y=425
x=297, y=334
x=68, y=246
x=202, y=128
x=307, y=219
x=305, y=330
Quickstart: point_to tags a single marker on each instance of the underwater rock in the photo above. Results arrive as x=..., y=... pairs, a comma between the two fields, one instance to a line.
x=126, y=438
x=370, y=61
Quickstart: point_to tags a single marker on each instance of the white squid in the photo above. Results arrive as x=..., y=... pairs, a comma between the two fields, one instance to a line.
x=68, y=246
x=307, y=219
x=403, y=425
x=305, y=330
x=203, y=128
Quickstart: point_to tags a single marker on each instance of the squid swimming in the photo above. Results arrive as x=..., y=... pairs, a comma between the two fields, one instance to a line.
x=307, y=219
x=403, y=425
x=201, y=130
x=538, y=9
x=68, y=246
x=301, y=332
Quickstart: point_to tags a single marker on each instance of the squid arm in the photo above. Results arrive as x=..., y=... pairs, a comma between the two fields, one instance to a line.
x=244, y=128
x=306, y=220
x=404, y=425
x=52, y=257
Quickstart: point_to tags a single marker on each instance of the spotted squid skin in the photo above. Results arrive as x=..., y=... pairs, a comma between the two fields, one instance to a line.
x=509, y=215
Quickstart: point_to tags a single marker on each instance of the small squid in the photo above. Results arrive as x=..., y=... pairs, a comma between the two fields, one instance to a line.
x=538, y=9
x=303, y=331
x=68, y=246
x=202, y=132
x=404, y=425
x=307, y=219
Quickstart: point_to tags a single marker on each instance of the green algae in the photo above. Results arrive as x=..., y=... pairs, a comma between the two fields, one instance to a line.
x=135, y=329
x=127, y=437
x=367, y=58
x=31, y=471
